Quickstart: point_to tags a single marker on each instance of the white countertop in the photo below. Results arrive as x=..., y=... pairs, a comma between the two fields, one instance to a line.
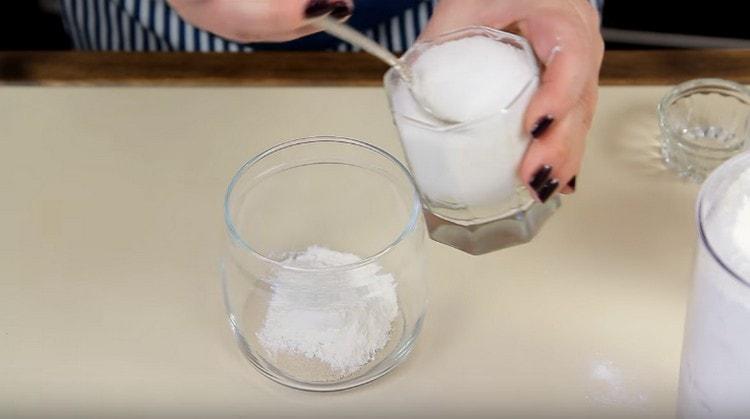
x=111, y=232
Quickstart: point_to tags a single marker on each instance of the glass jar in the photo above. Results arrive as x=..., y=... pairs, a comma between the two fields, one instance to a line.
x=473, y=197
x=703, y=123
x=715, y=370
x=323, y=278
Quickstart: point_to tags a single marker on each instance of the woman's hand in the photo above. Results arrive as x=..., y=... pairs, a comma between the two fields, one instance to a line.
x=259, y=20
x=565, y=36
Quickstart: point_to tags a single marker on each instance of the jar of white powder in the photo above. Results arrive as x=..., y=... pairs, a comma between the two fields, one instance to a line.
x=465, y=151
x=323, y=277
x=715, y=371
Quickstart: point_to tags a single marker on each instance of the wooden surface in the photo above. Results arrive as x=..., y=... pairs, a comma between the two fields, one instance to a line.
x=323, y=68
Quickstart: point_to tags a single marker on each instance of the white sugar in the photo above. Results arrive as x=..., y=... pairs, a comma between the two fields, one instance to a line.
x=473, y=79
x=470, y=77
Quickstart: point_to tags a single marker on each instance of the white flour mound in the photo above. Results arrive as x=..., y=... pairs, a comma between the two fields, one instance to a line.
x=339, y=317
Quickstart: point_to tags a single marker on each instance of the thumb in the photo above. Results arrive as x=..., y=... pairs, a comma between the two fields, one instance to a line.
x=570, y=61
x=570, y=50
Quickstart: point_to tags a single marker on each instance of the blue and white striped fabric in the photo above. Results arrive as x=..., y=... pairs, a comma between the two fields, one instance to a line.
x=151, y=25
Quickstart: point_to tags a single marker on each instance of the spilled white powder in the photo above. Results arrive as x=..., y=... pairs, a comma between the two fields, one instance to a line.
x=342, y=318
x=610, y=385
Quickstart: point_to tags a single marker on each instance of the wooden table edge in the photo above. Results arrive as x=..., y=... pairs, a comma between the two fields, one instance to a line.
x=653, y=67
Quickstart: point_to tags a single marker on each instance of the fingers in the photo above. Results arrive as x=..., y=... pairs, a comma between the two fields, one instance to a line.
x=570, y=63
x=563, y=33
x=260, y=20
x=553, y=160
x=549, y=165
x=559, y=115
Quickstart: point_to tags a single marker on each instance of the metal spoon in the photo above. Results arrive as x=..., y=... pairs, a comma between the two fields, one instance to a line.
x=347, y=33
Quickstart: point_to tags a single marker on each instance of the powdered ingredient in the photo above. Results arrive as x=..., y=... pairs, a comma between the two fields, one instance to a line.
x=731, y=222
x=714, y=371
x=741, y=230
x=340, y=317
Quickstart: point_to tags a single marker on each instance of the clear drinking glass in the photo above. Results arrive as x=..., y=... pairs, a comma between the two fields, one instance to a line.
x=703, y=123
x=475, y=203
x=715, y=371
x=340, y=194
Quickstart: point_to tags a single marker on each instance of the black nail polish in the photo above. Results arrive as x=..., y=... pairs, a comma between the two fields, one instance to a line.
x=546, y=190
x=541, y=126
x=540, y=176
x=318, y=8
x=341, y=10
x=572, y=183
x=337, y=9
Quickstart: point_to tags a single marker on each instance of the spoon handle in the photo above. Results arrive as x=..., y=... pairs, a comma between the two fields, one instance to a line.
x=348, y=34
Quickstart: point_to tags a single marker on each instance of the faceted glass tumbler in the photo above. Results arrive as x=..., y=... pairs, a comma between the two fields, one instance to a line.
x=472, y=197
x=703, y=123
x=346, y=196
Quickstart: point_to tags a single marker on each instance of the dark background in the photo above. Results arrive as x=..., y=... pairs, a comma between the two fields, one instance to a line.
x=715, y=17
x=33, y=24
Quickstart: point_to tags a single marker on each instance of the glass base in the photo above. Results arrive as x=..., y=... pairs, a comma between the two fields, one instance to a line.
x=384, y=367
x=487, y=236
x=300, y=372
x=689, y=164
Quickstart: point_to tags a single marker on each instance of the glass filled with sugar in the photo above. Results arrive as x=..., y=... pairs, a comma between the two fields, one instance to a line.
x=715, y=370
x=323, y=275
x=464, y=139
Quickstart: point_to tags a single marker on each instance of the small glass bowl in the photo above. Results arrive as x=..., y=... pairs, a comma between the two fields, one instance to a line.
x=303, y=324
x=703, y=123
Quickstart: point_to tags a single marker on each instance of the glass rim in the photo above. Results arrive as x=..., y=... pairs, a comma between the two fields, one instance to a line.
x=709, y=187
x=410, y=226
x=443, y=37
x=667, y=128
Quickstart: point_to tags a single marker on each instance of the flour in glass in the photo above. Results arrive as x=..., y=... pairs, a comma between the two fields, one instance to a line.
x=715, y=373
x=341, y=318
